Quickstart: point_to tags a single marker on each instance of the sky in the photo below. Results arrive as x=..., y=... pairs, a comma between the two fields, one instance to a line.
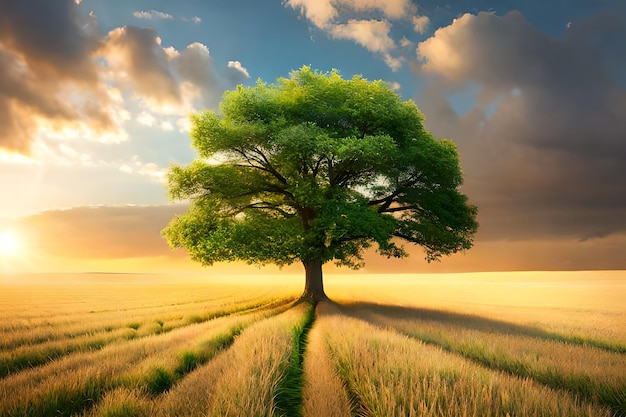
x=95, y=98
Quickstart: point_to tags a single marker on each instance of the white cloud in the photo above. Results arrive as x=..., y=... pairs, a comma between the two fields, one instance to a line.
x=405, y=43
x=127, y=169
x=168, y=81
x=146, y=119
x=194, y=19
x=184, y=125
x=420, y=23
x=237, y=66
x=166, y=125
x=152, y=14
x=323, y=13
x=339, y=18
x=372, y=35
x=70, y=95
x=153, y=172
x=319, y=12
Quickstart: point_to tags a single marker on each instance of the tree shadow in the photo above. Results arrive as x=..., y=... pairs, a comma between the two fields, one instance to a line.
x=472, y=322
x=613, y=397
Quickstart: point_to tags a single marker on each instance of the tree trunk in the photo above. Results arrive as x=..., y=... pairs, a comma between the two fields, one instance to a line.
x=314, y=285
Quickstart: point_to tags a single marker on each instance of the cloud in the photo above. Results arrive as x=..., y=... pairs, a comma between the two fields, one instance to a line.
x=420, y=23
x=343, y=19
x=372, y=35
x=523, y=255
x=197, y=68
x=238, y=69
x=405, y=42
x=146, y=119
x=323, y=12
x=133, y=232
x=157, y=15
x=138, y=59
x=152, y=14
x=544, y=146
x=46, y=53
x=62, y=80
x=59, y=46
x=172, y=81
x=103, y=232
x=319, y=12
x=194, y=19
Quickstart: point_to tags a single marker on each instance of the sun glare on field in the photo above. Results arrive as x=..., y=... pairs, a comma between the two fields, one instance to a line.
x=10, y=244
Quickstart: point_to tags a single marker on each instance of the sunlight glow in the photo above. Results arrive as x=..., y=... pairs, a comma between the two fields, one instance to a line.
x=10, y=244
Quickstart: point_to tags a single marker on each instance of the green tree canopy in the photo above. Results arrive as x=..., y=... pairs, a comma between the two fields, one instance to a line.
x=316, y=168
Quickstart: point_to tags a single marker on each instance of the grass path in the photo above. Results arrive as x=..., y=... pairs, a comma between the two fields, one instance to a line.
x=289, y=395
x=323, y=392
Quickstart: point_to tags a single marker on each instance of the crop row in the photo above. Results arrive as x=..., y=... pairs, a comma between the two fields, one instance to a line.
x=152, y=364
x=580, y=367
x=387, y=373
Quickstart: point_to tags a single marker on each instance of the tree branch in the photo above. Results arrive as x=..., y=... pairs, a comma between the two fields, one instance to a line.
x=264, y=205
x=269, y=165
x=317, y=166
x=260, y=162
x=397, y=209
x=386, y=199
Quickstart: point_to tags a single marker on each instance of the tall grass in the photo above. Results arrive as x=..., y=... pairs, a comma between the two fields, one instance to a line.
x=120, y=348
x=123, y=402
x=43, y=313
x=31, y=355
x=76, y=382
x=261, y=358
x=591, y=373
x=389, y=374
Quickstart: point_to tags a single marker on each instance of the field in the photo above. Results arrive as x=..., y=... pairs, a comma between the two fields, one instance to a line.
x=490, y=344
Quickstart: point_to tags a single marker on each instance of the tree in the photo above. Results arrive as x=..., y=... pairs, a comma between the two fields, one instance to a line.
x=314, y=169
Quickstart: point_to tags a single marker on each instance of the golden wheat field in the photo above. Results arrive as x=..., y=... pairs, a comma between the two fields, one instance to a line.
x=476, y=344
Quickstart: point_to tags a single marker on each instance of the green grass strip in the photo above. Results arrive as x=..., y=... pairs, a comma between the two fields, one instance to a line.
x=159, y=380
x=289, y=400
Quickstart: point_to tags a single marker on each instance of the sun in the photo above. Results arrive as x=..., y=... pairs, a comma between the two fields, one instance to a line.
x=9, y=244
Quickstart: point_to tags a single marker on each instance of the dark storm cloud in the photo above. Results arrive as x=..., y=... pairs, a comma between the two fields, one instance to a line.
x=550, y=160
x=101, y=232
